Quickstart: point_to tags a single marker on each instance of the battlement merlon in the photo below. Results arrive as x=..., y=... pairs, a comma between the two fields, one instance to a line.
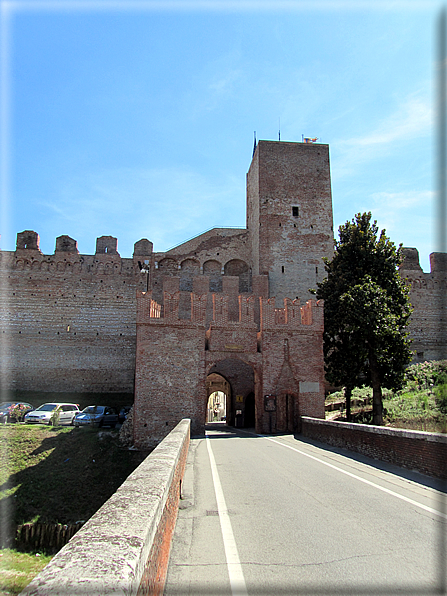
x=292, y=316
x=149, y=311
x=30, y=240
x=438, y=263
x=410, y=260
x=410, y=265
x=66, y=244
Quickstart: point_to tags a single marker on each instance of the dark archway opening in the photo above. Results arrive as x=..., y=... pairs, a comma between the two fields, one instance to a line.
x=240, y=385
x=249, y=413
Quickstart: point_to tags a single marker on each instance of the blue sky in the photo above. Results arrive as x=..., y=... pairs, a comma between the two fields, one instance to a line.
x=136, y=119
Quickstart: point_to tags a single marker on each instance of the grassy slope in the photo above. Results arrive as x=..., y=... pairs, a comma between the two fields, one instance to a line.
x=48, y=474
x=411, y=408
x=61, y=474
x=18, y=569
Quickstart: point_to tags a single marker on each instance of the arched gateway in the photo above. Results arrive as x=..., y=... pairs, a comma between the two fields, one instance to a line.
x=236, y=379
x=270, y=371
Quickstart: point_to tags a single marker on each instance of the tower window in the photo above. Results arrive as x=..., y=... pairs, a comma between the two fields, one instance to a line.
x=295, y=211
x=282, y=269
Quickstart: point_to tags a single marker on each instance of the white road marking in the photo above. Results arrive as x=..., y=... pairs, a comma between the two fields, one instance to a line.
x=385, y=490
x=237, y=580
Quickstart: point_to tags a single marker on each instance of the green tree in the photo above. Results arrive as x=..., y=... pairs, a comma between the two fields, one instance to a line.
x=366, y=311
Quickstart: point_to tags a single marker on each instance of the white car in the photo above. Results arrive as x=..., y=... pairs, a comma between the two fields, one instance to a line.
x=52, y=414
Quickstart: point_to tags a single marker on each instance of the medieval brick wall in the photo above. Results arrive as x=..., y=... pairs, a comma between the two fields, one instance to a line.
x=170, y=379
x=427, y=325
x=176, y=355
x=68, y=320
x=293, y=367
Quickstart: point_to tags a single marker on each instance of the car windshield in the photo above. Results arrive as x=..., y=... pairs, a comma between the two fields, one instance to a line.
x=6, y=404
x=47, y=407
x=93, y=410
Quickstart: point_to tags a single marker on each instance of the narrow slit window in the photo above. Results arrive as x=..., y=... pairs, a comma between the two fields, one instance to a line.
x=282, y=269
x=295, y=211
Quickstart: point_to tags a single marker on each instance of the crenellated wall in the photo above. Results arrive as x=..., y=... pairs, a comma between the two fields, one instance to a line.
x=428, y=297
x=68, y=319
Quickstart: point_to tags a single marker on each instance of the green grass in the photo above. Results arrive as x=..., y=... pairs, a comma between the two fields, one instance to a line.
x=421, y=404
x=415, y=410
x=60, y=474
x=18, y=569
x=54, y=475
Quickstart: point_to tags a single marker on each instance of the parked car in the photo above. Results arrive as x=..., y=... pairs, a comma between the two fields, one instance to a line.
x=122, y=416
x=52, y=413
x=14, y=411
x=100, y=415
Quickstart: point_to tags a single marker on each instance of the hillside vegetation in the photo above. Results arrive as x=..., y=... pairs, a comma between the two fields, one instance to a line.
x=420, y=405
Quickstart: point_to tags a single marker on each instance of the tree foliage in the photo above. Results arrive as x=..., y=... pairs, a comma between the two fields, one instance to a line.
x=366, y=311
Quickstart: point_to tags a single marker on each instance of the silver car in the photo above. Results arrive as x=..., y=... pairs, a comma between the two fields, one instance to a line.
x=52, y=413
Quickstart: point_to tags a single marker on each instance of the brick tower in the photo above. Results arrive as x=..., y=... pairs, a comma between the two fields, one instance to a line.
x=289, y=215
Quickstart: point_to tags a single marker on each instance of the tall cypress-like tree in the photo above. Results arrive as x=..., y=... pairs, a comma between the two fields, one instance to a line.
x=366, y=311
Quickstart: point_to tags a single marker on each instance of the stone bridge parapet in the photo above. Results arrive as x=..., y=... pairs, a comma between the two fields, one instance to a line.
x=124, y=547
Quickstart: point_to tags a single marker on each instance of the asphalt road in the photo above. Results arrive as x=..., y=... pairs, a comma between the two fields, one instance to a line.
x=277, y=515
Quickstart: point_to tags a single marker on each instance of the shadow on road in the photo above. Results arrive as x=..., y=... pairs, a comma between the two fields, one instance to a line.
x=220, y=430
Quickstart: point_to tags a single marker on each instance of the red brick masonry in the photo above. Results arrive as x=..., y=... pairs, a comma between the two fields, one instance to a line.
x=417, y=450
x=154, y=576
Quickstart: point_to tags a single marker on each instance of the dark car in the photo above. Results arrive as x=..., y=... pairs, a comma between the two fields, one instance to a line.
x=14, y=411
x=99, y=415
x=122, y=416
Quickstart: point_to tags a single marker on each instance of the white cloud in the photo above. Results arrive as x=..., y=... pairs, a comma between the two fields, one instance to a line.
x=395, y=201
x=397, y=212
x=412, y=120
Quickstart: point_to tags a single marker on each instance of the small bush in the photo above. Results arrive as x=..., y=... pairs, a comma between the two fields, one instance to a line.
x=441, y=397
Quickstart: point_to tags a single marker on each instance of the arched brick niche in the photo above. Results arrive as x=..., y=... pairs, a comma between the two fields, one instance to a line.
x=213, y=269
x=238, y=268
x=189, y=268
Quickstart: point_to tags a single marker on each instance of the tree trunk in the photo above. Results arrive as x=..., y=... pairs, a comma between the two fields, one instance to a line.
x=377, y=390
x=348, y=393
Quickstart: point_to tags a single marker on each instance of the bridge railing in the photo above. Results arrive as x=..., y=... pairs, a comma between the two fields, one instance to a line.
x=417, y=450
x=124, y=547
